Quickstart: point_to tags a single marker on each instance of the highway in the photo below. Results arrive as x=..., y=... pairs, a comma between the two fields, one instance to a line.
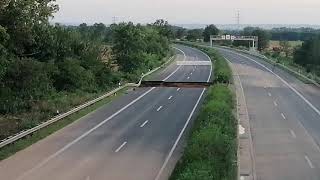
x=137, y=136
x=284, y=120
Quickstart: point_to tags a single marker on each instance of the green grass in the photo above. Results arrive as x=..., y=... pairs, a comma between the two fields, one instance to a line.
x=11, y=149
x=211, y=151
x=292, y=44
x=66, y=102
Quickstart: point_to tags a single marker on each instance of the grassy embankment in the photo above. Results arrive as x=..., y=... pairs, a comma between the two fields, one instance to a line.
x=21, y=144
x=211, y=151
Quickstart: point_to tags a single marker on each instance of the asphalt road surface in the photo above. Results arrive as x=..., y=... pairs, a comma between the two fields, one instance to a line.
x=284, y=118
x=132, y=138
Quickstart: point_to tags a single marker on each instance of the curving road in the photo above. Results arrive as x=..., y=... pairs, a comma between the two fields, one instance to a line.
x=134, y=137
x=284, y=120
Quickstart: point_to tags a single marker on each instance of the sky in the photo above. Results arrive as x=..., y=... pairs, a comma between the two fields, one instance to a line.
x=190, y=11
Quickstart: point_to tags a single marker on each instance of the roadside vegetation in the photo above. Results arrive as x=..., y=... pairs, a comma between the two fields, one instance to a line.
x=211, y=151
x=295, y=48
x=48, y=69
x=23, y=143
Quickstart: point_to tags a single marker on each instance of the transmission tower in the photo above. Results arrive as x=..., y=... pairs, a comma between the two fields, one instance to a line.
x=238, y=18
x=114, y=19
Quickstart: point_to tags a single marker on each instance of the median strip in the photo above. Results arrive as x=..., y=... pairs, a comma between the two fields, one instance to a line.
x=211, y=150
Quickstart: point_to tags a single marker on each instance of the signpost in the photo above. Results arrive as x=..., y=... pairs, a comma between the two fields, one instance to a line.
x=253, y=39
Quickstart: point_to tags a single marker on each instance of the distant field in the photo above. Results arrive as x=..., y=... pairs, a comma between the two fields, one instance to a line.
x=292, y=43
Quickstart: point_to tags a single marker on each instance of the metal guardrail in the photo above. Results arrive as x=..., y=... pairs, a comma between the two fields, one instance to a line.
x=25, y=133
x=268, y=60
x=281, y=65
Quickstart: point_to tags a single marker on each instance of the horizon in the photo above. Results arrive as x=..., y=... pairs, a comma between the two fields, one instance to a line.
x=189, y=12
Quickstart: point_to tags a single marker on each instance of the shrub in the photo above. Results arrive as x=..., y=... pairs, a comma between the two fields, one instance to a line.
x=211, y=148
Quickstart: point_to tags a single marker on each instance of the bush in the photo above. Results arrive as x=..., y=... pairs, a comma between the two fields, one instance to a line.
x=25, y=81
x=212, y=146
x=72, y=76
x=222, y=73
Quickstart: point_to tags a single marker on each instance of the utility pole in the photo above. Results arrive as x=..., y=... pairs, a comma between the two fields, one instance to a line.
x=114, y=20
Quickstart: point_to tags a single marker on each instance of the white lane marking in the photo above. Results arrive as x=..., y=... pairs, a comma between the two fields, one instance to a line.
x=292, y=133
x=275, y=103
x=178, y=89
x=309, y=161
x=179, y=137
x=283, y=116
x=294, y=90
x=172, y=73
x=170, y=97
x=209, y=60
x=184, y=58
x=42, y=163
x=250, y=137
x=82, y=136
x=159, y=108
x=269, y=94
x=285, y=82
x=188, y=77
x=143, y=124
x=120, y=147
x=184, y=127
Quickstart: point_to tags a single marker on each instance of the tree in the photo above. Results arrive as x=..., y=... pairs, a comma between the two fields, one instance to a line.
x=134, y=45
x=285, y=47
x=128, y=46
x=264, y=38
x=180, y=33
x=308, y=55
x=163, y=28
x=263, y=35
x=20, y=17
x=208, y=31
x=4, y=37
x=194, y=34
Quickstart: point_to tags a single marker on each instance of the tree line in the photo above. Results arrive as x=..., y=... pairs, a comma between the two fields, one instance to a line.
x=307, y=55
x=45, y=68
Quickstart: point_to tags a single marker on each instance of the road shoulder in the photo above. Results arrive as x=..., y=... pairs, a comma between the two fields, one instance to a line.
x=246, y=165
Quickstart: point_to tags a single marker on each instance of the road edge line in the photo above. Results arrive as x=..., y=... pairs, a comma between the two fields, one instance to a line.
x=88, y=132
x=186, y=124
x=251, y=148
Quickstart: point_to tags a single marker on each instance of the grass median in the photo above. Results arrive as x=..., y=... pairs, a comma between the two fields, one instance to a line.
x=211, y=151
